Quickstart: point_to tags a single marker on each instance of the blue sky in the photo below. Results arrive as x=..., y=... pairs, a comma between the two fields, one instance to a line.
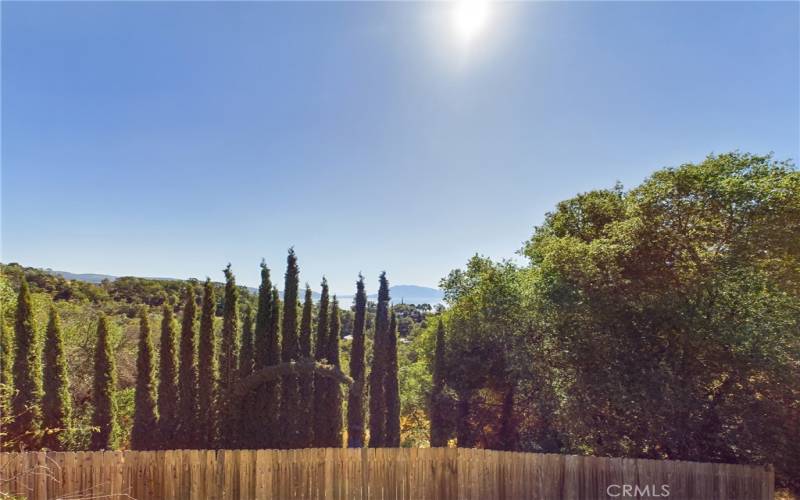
x=167, y=139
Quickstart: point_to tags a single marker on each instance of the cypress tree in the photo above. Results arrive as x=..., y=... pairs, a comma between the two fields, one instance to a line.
x=6, y=374
x=27, y=374
x=274, y=358
x=105, y=384
x=377, y=376
x=187, y=376
x=250, y=425
x=305, y=421
x=333, y=393
x=207, y=371
x=167, y=381
x=228, y=361
x=266, y=353
x=144, y=435
x=246, y=356
x=320, y=354
x=290, y=348
x=437, y=418
x=355, y=398
x=56, y=403
x=391, y=388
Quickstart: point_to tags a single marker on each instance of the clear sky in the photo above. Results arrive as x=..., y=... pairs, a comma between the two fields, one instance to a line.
x=167, y=139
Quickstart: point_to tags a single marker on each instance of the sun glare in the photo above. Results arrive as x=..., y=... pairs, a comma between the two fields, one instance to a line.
x=470, y=18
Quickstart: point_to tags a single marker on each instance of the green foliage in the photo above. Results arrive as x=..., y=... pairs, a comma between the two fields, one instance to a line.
x=104, y=389
x=305, y=412
x=391, y=389
x=660, y=322
x=246, y=361
x=289, y=344
x=167, y=382
x=27, y=374
x=144, y=435
x=377, y=376
x=331, y=428
x=290, y=384
x=228, y=361
x=187, y=376
x=320, y=354
x=56, y=403
x=436, y=412
x=263, y=404
x=6, y=363
x=355, y=397
x=207, y=372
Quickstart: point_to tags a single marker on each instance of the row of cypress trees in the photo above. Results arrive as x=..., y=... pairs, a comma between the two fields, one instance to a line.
x=39, y=412
x=296, y=411
x=189, y=400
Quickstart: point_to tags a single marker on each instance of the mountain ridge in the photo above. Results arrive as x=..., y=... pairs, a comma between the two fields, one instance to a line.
x=410, y=294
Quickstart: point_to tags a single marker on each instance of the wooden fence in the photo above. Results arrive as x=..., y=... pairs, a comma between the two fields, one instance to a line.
x=425, y=473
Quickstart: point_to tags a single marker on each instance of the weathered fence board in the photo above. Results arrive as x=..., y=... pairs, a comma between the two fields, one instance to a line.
x=361, y=474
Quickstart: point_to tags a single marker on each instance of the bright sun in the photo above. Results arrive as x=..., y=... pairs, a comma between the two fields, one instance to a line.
x=470, y=18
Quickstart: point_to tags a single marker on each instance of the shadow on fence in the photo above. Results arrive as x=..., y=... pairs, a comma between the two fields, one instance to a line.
x=390, y=473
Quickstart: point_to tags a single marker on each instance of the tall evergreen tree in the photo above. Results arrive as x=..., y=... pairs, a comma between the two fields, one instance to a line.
x=104, y=417
x=391, y=389
x=167, y=381
x=187, y=376
x=333, y=393
x=321, y=354
x=436, y=411
x=207, y=372
x=305, y=411
x=144, y=435
x=56, y=403
x=290, y=394
x=377, y=376
x=355, y=398
x=250, y=415
x=246, y=362
x=6, y=373
x=25, y=403
x=265, y=403
x=228, y=361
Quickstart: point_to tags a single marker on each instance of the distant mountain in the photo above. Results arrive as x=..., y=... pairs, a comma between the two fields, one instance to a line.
x=87, y=277
x=408, y=294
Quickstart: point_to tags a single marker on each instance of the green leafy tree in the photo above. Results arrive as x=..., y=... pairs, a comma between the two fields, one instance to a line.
x=56, y=403
x=320, y=354
x=104, y=391
x=290, y=395
x=250, y=423
x=333, y=390
x=6, y=373
x=207, y=372
x=392, y=390
x=305, y=421
x=266, y=353
x=377, y=376
x=246, y=357
x=167, y=381
x=228, y=362
x=437, y=414
x=144, y=435
x=26, y=401
x=187, y=376
x=355, y=398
